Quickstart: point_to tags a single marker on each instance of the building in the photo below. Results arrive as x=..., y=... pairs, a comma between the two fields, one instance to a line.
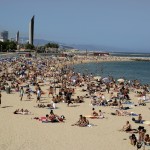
x=101, y=54
x=17, y=37
x=31, y=31
x=4, y=36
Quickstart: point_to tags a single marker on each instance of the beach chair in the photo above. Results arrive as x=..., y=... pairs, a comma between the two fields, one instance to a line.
x=147, y=99
x=120, y=96
x=145, y=146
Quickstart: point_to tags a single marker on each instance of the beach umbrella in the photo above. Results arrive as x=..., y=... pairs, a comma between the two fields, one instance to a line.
x=52, y=68
x=106, y=80
x=74, y=78
x=41, y=84
x=120, y=80
x=24, y=84
x=97, y=77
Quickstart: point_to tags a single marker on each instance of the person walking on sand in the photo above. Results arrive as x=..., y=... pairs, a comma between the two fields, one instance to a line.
x=21, y=93
x=38, y=94
x=0, y=97
x=108, y=87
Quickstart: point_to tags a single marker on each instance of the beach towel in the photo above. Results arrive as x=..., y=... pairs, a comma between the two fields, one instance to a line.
x=132, y=114
x=92, y=117
x=91, y=125
x=146, y=122
x=42, y=119
x=46, y=121
x=43, y=93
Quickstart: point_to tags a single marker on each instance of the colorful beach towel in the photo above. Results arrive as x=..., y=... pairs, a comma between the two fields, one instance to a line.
x=92, y=117
x=146, y=122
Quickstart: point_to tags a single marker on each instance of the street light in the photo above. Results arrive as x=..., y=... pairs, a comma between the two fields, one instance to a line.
x=1, y=47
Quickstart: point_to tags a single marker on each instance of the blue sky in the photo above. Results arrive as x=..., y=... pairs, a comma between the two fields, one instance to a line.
x=118, y=24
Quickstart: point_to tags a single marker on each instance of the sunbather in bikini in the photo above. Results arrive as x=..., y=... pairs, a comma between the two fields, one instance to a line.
x=84, y=122
x=127, y=127
x=147, y=140
x=139, y=120
x=123, y=113
x=51, y=106
x=101, y=115
x=22, y=112
x=133, y=139
x=78, y=122
x=94, y=113
x=55, y=118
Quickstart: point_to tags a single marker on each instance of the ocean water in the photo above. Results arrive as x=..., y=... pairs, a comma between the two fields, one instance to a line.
x=128, y=70
x=130, y=54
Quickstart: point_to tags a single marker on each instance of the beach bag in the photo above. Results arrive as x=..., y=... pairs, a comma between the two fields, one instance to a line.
x=143, y=104
x=140, y=127
x=139, y=145
x=125, y=108
x=113, y=114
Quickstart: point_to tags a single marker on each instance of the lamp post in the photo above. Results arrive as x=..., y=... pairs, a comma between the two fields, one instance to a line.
x=1, y=47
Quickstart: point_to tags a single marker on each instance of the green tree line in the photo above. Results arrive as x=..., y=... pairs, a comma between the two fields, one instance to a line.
x=11, y=45
x=7, y=45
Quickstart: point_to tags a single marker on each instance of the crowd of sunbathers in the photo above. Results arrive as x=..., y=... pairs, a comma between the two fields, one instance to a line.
x=138, y=136
x=51, y=106
x=29, y=73
x=82, y=122
x=51, y=118
x=22, y=112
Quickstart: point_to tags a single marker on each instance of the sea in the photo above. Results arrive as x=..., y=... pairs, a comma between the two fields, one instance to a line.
x=139, y=70
x=134, y=70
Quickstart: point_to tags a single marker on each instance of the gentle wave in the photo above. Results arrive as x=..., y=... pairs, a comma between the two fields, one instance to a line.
x=128, y=70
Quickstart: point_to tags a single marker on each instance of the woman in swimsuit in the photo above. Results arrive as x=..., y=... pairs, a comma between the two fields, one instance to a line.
x=84, y=122
x=127, y=127
x=94, y=113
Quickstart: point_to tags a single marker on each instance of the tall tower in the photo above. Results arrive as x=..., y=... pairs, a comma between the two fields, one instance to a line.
x=31, y=31
x=4, y=35
x=17, y=37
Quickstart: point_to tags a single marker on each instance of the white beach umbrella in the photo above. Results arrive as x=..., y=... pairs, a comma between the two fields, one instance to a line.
x=52, y=68
x=74, y=78
x=105, y=80
x=97, y=77
x=120, y=80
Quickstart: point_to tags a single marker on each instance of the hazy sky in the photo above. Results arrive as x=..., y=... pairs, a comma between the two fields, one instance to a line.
x=122, y=24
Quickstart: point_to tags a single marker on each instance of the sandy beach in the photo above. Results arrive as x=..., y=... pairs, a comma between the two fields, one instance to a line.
x=23, y=132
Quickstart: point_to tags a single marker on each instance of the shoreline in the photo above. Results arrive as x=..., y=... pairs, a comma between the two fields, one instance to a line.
x=84, y=60
x=22, y=132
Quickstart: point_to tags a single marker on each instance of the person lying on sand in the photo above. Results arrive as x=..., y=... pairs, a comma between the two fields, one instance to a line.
x=79, y=99
x=51, y=106
x=55, y=118
x=87, y=96
x=22, y=112
x=51, y=118
x=113, y=103
x=139, y=120
x=123, y=113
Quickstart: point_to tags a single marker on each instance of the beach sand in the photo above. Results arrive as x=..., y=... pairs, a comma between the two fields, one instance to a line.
x=22, y=132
